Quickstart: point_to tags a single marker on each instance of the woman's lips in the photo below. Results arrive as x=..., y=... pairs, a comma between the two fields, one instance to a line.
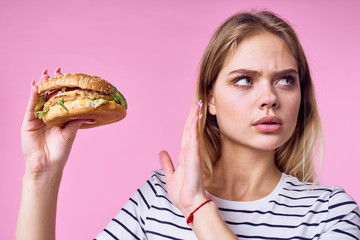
x=268, y=124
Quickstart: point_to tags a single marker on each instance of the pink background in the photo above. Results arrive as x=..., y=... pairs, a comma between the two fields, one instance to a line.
x=151, y=50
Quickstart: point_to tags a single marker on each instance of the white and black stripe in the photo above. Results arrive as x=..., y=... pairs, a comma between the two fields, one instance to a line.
x=294, y=210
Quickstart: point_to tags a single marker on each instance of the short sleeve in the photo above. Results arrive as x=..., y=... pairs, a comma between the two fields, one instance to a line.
x=129, y=222
x=343, y=220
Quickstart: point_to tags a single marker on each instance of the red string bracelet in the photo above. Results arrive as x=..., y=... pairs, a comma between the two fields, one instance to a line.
x=191, y=216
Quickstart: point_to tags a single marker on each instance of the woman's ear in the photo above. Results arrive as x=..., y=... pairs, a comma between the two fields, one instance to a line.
x=211, y=104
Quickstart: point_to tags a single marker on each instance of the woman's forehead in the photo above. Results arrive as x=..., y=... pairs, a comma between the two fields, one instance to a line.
x=261, y=52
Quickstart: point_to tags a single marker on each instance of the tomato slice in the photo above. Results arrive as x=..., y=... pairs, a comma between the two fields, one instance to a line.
x=61, y=90
x=54, y=94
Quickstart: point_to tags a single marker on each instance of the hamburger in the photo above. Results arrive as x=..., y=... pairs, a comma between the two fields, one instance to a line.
x=74, y=96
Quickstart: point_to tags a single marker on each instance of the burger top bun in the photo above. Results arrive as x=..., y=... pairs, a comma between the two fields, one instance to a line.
x=81, y=80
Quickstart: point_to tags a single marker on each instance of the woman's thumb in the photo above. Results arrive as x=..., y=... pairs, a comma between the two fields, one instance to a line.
x=71, y=128
x=166, y=163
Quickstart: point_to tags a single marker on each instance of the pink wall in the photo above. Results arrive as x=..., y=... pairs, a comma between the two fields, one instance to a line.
x=150, y=50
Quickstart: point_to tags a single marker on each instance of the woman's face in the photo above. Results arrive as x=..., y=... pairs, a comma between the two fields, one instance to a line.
x=256, y=97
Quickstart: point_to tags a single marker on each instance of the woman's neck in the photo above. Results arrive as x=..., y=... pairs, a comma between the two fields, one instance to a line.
x=243, y=174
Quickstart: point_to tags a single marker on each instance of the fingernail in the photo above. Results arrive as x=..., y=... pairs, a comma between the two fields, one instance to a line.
x=90, y=122
x=58, y=70
x=200, y=117
x=44, y=72
x=200, y=104
x=32, y=82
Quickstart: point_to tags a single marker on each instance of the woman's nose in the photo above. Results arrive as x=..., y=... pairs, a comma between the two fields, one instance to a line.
x=268, y=98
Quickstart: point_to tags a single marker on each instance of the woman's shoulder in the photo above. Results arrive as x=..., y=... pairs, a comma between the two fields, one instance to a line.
x=335, y=196
x=158, y=177
x=294, y=184
x=156, y=182
x=151, y=193
x=339, y=210
x=155, y=187
x=154, y=193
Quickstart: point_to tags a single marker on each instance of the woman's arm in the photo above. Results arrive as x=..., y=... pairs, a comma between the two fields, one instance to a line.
x=186, y=187
x=46, y=150
x=37, y=212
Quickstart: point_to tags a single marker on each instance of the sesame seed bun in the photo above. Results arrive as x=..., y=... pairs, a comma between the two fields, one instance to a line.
x=81, y=80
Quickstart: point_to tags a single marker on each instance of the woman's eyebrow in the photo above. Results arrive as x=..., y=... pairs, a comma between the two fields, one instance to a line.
x=243, y=71
x=289, y=71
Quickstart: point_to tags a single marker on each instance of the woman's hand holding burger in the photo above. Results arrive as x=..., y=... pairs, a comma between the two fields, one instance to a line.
x=45, y=148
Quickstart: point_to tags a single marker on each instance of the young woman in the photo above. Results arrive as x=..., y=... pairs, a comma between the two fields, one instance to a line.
x=246, y=167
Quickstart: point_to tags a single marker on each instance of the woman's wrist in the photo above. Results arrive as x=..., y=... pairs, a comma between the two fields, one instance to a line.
x=208, y=224
x=202, y=209
x=44, y=177
x=190, y=218
x=195, y=204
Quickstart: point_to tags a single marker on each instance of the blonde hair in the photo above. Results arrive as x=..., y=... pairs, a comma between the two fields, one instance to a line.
x=296, y=156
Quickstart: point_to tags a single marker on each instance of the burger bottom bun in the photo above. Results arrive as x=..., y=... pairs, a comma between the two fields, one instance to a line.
x=104, y=114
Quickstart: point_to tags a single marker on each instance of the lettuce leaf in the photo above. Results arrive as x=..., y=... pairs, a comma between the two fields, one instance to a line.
x=60, y=101
x=119, y=98
x=39, y=114
x=39, y=104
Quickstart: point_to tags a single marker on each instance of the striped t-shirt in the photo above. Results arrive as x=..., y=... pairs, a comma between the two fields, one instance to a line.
x=294, y=210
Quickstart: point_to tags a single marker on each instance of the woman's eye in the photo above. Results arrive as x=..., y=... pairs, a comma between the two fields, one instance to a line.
x=243, y=81
x=286, y=81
